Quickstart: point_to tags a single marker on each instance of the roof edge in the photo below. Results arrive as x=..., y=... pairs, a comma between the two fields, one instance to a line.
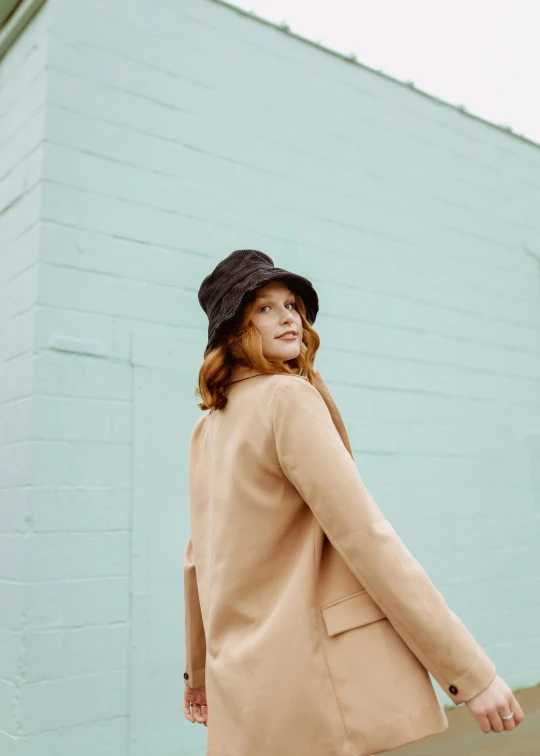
x=16, y=22
x=352, y=60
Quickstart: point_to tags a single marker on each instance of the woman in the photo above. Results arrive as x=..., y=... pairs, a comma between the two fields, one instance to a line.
x=310, y=629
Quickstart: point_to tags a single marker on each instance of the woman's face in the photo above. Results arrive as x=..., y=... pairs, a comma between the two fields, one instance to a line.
x=274, y=314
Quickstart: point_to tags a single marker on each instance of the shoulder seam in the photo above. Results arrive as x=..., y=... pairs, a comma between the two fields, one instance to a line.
x=282, y=384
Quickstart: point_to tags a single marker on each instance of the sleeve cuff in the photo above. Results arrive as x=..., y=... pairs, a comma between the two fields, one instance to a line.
x=479, y=675
x=195, y=679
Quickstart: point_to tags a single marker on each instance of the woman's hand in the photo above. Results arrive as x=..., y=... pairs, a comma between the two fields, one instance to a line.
x=494, y=702
x=197, y=696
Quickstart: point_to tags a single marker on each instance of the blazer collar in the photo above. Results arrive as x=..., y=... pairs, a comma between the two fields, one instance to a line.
x=240, y=372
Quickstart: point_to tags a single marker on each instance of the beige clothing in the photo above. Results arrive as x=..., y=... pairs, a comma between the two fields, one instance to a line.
x=311, y=624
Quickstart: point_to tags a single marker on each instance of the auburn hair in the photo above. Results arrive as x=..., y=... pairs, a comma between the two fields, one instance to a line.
x=241, y=344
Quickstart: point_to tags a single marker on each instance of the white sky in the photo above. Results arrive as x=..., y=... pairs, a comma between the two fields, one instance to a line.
x=483, y=54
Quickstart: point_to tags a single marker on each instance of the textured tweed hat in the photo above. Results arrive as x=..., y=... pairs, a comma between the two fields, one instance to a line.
x=224, y=291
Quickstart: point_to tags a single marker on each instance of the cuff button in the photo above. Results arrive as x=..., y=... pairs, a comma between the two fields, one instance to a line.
x=186, y=677
x=453, y=689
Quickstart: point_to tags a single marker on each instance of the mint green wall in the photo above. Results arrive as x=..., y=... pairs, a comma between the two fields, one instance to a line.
x=22, y=96
x=145, y=146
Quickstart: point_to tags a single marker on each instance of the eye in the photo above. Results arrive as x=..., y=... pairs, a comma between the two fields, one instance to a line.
x=293, y=304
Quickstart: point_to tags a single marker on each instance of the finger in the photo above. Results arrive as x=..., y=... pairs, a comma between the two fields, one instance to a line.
x=519, y=715
x=187, y=712
x=197, y=712
x=202, y=713
x=483, y=721
x=508, y=724
x=497, y=725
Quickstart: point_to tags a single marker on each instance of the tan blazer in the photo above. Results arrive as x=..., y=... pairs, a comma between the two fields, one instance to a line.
x=311, y=624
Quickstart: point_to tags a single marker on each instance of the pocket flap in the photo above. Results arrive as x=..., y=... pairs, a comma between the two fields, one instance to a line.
x=354, y=610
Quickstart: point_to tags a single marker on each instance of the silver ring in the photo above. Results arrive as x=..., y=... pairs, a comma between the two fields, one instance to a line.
x=509, y=716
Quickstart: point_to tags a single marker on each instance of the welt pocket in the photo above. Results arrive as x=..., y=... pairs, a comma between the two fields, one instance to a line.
x=355, y=610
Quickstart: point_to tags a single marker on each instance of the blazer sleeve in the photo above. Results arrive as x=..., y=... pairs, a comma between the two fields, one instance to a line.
x=314, y=459
x=194, y=673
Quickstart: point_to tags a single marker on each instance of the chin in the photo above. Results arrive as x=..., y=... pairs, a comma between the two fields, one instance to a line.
x=287, y=354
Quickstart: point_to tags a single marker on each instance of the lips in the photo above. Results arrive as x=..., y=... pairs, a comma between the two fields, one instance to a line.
x=288, y=335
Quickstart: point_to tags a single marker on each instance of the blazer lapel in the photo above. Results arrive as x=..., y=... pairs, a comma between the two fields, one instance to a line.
x=322, y=388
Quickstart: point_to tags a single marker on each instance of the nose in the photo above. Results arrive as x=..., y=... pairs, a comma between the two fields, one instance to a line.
x=286, y=315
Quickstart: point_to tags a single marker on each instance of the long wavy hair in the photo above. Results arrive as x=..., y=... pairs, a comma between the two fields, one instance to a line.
x=241, y=344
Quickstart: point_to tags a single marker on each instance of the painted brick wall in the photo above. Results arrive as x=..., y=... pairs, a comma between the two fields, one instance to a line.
x=22, y=97
x=169, y=137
